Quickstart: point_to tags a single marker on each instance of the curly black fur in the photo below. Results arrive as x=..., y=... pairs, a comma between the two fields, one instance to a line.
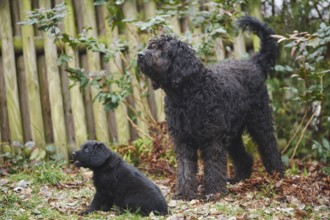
x=208, y=108
x=117, y=182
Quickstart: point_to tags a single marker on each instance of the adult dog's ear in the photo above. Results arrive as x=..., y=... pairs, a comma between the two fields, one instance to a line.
x=99, y=155
x=185, y=64
x=155, y=85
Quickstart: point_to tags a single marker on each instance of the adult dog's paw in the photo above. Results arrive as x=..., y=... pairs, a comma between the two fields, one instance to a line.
x=214, y=197
x=237, y=179
x=86, y=212
x=185, y=196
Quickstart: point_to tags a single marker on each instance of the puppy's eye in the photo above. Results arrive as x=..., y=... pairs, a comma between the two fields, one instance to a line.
x=86, y=150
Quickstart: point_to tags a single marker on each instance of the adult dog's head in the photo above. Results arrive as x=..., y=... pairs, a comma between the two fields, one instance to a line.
x=92, y=154
x=168, y=62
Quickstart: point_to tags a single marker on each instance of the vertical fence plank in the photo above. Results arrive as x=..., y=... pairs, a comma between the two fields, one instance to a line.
x=93, y=60
x=44, y=98
x=115, y=68
x=30, y=63
x=15, y=17
x=77, y=105
x=88, y=102
x=27, y=133
x=239, y=46
x=220, y=49
x=10, y=77
x=55, y=93
x=104, y=30
x=3, y=108
x=82, y=57
x=68, y=117
x=4, y=124
x=43, y=84
x=130, y=12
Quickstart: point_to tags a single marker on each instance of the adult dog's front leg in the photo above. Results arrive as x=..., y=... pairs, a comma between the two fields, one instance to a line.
x=215, y=161
x=186, y=180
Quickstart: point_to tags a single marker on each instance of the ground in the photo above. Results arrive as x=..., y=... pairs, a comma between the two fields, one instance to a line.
x=50, y=191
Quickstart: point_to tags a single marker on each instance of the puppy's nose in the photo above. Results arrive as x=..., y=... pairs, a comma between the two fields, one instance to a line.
x=73, y=154
x=141, y=54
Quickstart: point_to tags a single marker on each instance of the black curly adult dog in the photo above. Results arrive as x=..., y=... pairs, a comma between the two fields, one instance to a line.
x=208, y=108
x=117, y=182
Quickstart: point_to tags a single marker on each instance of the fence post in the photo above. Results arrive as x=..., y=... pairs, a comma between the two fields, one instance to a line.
x=134, y=106
x=78, y=109
x=93, y=60
x=4, y=124
x=117, y=120
x=10, y=75
x=30, y=63
x=55, y=92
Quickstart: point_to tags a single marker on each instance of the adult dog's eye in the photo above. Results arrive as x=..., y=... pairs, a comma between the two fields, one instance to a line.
x=155, y=46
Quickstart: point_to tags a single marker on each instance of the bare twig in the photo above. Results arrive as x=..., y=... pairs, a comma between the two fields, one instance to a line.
x=137, y=127
x=296, y=132
x=302, y=134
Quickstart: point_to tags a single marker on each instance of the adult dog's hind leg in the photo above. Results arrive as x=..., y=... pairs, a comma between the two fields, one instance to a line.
x=260, y=126
x=215, y=168
x=186, y=180
x=241, y=159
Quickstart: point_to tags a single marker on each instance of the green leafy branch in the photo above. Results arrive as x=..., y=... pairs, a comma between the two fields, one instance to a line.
x=308, y=52
x=153, y=25
x=207, y=22
x=48, y=20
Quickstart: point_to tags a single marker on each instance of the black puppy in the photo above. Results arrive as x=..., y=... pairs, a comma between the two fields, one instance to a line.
x=117, y=182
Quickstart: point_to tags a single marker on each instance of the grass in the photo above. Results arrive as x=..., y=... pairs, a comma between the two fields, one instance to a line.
x=53, y=191
x=45, y=191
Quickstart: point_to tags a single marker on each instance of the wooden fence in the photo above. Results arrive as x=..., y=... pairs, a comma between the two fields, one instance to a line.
x=35, y=100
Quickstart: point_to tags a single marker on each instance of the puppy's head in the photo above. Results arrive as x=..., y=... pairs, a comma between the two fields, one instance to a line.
x=168, y=61
x=92, y=154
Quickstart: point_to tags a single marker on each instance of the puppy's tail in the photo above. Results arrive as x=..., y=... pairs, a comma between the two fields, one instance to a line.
x=268, y=52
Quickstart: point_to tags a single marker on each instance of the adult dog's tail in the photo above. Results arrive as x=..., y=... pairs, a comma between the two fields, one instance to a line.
x=268, y=52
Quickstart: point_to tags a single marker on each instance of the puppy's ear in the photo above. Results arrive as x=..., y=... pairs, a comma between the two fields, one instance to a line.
x=185, y=64
x=99, y=155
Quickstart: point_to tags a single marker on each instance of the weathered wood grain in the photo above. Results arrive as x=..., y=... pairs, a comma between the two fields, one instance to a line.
x=55, y=91
x=10, y=75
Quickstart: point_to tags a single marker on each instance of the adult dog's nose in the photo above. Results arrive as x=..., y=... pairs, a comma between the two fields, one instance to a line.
x=141, y=54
